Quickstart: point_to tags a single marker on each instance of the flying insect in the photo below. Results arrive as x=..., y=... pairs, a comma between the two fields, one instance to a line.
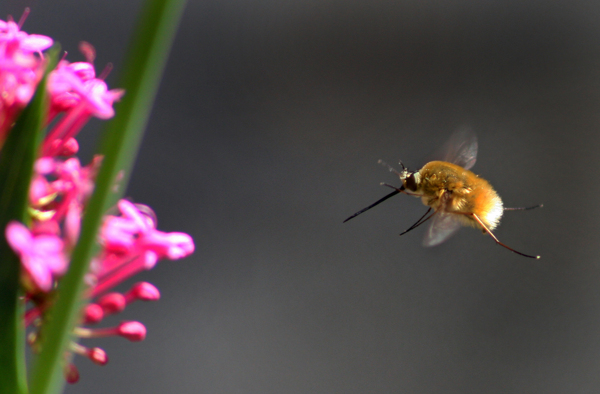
x=457, y=196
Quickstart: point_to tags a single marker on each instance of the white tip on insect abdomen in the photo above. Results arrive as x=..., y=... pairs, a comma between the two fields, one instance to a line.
x=494, y=214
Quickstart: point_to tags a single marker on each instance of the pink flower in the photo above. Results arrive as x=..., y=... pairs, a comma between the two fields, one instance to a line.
x=59, y=190
x=75, y=90
x=132, y=244
x=73, y=83
x=41, y=255
x=20, y=70
x=12, y=39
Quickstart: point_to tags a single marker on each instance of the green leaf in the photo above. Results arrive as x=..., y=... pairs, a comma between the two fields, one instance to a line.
x=16, y=168
x=146, y=60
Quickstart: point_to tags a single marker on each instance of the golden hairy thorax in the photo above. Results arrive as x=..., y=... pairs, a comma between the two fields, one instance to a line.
x=452, y=189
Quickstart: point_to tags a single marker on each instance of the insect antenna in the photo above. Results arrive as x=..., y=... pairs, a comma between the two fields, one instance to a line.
x=396, y=191
x=419, y=222
x=392, y=169
x=524, y=208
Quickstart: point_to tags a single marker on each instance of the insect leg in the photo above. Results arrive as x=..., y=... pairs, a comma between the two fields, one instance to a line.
x=487, y=230
x=420, y=221
x=524, y=208
x=396, y=191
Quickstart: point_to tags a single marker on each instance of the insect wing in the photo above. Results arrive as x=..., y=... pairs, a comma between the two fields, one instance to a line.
x=461, y=148
x=442, y=227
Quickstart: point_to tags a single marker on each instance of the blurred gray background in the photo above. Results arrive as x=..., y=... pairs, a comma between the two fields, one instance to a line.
x=266, y=134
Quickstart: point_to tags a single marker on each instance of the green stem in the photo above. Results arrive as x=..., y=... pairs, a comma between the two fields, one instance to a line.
x=16, y=169
x=12, y=364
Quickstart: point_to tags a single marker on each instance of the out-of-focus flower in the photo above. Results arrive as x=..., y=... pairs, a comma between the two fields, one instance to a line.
x=75, y=91
x=58, y=194
x=21, y=68
x=132, y=244
x=41, y=255
x=59, y=191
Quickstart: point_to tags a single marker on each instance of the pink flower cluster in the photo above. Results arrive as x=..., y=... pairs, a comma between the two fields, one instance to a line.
x=60, y=189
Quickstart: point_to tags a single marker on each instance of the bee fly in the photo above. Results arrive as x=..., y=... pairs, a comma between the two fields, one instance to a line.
x=456, y=195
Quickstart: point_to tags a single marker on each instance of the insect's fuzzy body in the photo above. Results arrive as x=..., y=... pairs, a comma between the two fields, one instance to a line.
x=450, y=188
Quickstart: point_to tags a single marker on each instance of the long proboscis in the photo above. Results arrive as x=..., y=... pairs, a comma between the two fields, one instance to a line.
x=396, y=191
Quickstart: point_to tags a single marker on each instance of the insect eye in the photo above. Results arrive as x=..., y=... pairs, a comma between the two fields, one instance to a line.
x=410, y=182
